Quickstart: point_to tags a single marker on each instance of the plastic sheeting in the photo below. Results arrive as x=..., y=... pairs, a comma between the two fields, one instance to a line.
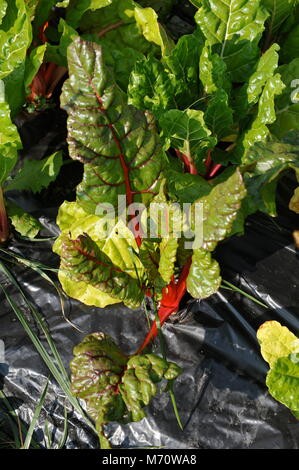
x=221, y=395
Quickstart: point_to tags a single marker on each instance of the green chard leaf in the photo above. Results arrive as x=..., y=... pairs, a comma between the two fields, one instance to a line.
x=183, y=66
x=24, y=223
x=117, y=24
x=115, y=387
x=32, y=65
x=138, y=384
x=187, y=132
x=212, y=72
x=36, y=174
x=147, y=20
x=15, y=37
x=249, y=94
x=159, y=86
x=10, y=141
x=258, y=131
x=233, y=29
x=204, y=275
x=149, y=255
x=287, y=104
x=151, y=87
x=276, y=341
x=218, y=115
x=266, y=163
x=118, y=144
x=184, y=187
x=283, y=382
x=280, y=348
x=58, y=53
x=121, y=60
x=220, y=208
x=294, y=202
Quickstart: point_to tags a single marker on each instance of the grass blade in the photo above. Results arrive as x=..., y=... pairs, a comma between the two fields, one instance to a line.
x=59, y=373
x=65, y=431
x=240, y=291
x=35, y=417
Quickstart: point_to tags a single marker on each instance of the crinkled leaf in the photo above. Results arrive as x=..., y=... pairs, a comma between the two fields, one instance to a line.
x=283, y=381
x=149, y=255
x=258, y=131
x=212, y=72
x=73, y=221
x=168, y=249
x=117, y=23
x=33, y=63
x=287, y=104
x=151, y=87
x=147, y=20
x=158, y=86
x=234, y=28
x=97, y=367
x=267, y=161
x=219, y=115
x=187, y=132
x=122, y=60
x=186, y=188
x=24, y=223
x=204, y=276
x=249, y=94
x=10, y=141
x=165, y=219
x=82, y=260
x=114, y=386
x=15, y=37
x=118, y=144
x=220, y=208
x=138, y=382
x=276, y=341
x=117, y=243
x=183, y=66
x=37, y=174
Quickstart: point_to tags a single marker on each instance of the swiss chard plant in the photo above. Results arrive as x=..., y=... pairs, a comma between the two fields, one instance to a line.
x=208, y=121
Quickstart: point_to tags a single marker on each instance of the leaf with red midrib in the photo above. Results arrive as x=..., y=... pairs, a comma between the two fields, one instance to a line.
x=82, y=260
x=118, y=144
